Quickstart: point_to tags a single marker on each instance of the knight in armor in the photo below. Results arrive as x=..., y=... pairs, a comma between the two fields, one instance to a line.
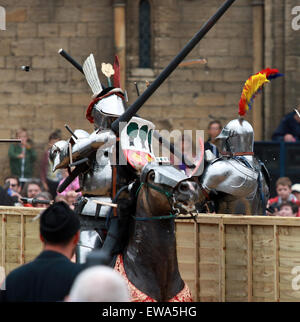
x=237, y=182
x=95, y=158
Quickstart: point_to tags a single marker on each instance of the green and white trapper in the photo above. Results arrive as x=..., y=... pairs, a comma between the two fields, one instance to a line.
x=136, y=142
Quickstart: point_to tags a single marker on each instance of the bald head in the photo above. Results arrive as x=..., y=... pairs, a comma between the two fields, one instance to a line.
x=99, y=284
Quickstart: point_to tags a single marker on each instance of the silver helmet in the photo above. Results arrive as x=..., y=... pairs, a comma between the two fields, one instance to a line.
x=112, y=104
x=237, y=136
x=107, y=103
x=108, y=108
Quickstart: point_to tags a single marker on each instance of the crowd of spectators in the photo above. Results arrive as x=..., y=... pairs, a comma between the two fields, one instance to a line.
x=22, y=188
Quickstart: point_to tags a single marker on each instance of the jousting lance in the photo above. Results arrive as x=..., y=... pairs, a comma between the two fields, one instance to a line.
x=133, y=109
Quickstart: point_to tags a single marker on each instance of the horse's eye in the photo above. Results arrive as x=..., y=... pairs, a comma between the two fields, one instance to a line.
x=152, y=176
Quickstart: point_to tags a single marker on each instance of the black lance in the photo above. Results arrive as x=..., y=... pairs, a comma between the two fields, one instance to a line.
x=133, y=109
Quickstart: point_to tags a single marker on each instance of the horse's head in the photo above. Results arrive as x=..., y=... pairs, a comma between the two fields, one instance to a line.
x=169, y=189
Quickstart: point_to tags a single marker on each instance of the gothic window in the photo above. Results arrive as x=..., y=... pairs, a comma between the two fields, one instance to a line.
x=144, y=34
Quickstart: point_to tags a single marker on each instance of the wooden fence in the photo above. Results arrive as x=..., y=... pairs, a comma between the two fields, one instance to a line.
x=221, y=257
x=19, y=236
x=240, y=258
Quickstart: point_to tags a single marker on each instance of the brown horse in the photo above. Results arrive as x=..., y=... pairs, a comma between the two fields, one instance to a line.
x=149, y=262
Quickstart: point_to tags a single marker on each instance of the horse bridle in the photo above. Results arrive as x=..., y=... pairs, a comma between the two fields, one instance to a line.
x=166, y=193
x=168, y=176
x=171, y=182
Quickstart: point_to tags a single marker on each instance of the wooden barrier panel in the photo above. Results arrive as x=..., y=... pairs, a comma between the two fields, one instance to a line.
x=19, y=236
x=221, y=257
x=240, y=258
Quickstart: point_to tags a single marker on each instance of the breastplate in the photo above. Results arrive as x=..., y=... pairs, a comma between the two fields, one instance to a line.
x=241, y=182
x=232, y=177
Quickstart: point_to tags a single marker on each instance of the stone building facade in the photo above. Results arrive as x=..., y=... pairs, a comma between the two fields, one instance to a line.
x=54, y=93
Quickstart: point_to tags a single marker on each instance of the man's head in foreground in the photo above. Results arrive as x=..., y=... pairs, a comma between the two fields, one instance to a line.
x=99, y=284
x=59, y=229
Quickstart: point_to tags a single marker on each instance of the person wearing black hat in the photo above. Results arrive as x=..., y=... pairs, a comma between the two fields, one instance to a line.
x=50, y=276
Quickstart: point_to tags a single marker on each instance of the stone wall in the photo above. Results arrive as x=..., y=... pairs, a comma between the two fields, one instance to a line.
x=54, y=93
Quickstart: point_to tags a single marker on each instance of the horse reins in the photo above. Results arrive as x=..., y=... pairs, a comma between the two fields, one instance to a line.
x=168, y=194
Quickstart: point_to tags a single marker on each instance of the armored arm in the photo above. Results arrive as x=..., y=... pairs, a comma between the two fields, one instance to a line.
x=82, y=147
